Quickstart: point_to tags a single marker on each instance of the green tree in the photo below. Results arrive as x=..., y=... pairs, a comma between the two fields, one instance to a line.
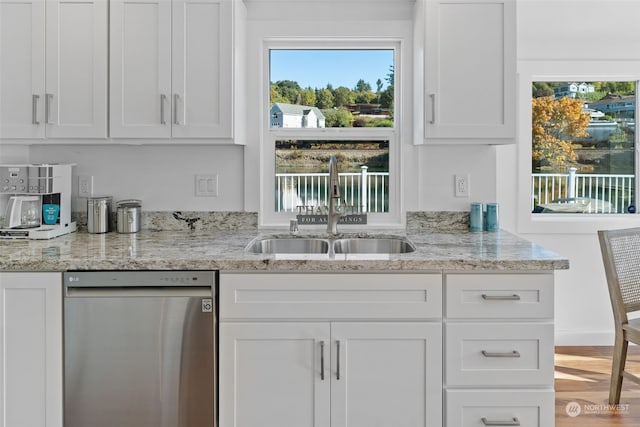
x=362, y=86
x=338, y=117
x=324, y=99
x=289, y=90
x=276, y=96
x=343, y=96
x=379, y=85
x=308, y=97
x=386, y=99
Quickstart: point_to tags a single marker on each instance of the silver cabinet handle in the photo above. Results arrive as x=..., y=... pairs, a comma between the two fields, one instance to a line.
x=176, y=98
x=433, y=108
x=514, y=297
x=322, y=360
x=338, y=360
x=163, y=99
x=47, y=107
x=34, y=109
x=513, y=353
x=513, y=422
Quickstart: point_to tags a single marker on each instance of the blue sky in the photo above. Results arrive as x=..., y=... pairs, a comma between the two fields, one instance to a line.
x=316, y=68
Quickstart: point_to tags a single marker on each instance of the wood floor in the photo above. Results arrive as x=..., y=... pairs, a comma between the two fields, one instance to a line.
x=582, y=377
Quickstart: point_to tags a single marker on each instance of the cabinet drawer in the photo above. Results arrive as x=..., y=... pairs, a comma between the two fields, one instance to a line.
x=525, y=408
x=330, y=296
x=494, y=354
x=492, y=296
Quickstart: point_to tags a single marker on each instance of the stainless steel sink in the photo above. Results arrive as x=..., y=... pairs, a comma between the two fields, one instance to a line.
x=289, y=246
x=373, y=245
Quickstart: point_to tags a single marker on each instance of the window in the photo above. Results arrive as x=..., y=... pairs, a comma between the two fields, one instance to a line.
x=317, y=88
x=583, y=179
x=331, y=98
x=583, y=147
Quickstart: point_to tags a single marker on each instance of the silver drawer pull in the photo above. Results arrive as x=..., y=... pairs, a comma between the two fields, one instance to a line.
x=433, y=108
x=513, y=353
x=163, y=99
x=47, y=107
x=34, y=109
x=512, y=422
x=322, y=360
x=176, y=98
x=338, y=360
x=514, y=297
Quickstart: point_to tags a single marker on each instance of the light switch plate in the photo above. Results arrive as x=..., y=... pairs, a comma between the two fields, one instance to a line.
x=207, y=185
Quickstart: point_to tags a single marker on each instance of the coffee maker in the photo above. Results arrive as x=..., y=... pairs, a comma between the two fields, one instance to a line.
x=39, y=203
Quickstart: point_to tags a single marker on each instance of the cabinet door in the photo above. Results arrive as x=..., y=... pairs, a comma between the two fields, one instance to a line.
x=201, y=68
x=30, y=349
x=470, y=70
x=76, y=97
x=140, y=69
x=386, y=374
x=22, y=61
x=271, y=375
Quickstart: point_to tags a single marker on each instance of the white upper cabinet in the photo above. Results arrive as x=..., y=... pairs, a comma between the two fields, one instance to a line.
x=171, y=69
x=53, y=69
x=469, y=69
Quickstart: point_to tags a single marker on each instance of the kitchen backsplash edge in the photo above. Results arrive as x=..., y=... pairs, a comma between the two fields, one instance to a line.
x=435, y=221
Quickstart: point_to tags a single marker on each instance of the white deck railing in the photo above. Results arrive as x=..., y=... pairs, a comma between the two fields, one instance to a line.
x=367, y=190
x=614, y=193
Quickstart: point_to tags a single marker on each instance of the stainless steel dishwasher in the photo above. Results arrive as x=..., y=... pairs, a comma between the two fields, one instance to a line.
x=140, y=349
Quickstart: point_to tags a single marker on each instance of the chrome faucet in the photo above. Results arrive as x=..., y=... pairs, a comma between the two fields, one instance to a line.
x=333, y=216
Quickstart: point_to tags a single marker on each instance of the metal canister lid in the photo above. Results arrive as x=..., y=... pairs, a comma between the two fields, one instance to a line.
x=97, y=200
x=129, y=203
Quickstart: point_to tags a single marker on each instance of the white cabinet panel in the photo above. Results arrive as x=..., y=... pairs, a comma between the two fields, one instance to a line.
x=470, y=72
x=140, y=37
x=76, y=98
x=493, y=296
x=53, y=86
x=171, y=65
x=30, y=349
x=201, y=71
x=530, y=408
x=389, y=374
x=498, y=354
x=271, y=375
x=22, y=68
x=330, y=296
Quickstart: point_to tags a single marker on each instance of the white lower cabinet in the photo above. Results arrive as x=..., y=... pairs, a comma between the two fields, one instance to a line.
x=499, y=348
x=30, y=350
x=286, y=371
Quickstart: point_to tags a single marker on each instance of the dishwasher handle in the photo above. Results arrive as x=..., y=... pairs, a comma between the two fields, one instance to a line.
x=137, y=291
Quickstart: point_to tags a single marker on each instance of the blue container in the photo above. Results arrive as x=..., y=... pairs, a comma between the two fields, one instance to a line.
x=476, y=221
x=493, y=217
x=50, y=213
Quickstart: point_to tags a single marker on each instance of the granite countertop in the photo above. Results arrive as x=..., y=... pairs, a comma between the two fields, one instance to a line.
x=216, y=248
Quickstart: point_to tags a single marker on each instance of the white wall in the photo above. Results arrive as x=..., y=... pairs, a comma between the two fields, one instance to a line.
x=593, y=32
x=163, y=177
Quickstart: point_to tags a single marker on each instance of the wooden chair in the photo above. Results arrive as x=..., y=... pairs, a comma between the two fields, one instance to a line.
x=621, y=256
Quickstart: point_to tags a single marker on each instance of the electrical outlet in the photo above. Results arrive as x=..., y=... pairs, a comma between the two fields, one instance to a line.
x=207, y=185
x=462, y=185
x=85, y=186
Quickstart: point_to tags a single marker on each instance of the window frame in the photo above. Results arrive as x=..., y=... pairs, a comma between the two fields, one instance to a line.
x=588, y=71
x=268, y=217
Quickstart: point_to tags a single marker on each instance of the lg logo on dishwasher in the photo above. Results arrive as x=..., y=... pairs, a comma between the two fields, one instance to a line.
x=207, y=305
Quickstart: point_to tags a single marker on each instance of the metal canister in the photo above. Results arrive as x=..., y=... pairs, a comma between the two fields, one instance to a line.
x=128, y=214
x=98, y=211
